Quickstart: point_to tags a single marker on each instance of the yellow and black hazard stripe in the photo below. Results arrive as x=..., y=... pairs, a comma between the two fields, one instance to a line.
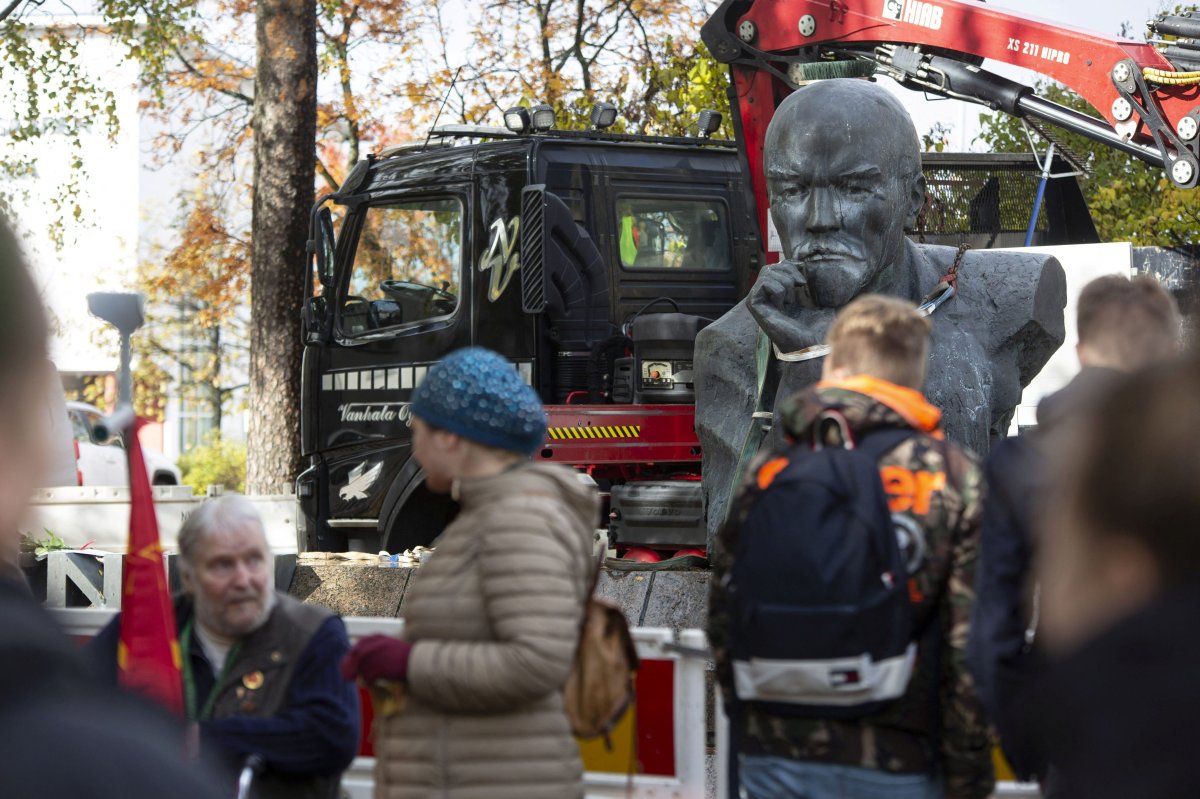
x=606, y=431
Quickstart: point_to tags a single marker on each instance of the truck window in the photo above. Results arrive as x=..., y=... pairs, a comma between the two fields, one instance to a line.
x=669, y=233
x=407, y=265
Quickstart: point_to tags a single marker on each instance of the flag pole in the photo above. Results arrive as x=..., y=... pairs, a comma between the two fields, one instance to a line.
x=148, y=654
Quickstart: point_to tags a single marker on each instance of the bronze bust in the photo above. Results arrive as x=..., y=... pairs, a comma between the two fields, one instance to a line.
x=843, y=168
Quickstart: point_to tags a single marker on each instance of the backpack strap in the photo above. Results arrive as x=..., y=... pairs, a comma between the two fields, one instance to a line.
x=881, y=441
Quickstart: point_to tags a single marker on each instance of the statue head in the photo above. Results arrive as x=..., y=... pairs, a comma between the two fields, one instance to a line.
x=843, y=169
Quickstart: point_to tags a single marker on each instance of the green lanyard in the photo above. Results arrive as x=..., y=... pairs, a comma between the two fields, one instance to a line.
x=189, y=683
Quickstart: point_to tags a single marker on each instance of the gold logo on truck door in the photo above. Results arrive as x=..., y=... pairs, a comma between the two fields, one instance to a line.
x=501, y=257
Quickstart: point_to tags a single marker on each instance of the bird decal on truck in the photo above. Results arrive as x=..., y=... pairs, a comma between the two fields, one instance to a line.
x=359, y=481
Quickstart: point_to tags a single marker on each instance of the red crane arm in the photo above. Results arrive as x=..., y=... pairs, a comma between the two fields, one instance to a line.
x=937, y=45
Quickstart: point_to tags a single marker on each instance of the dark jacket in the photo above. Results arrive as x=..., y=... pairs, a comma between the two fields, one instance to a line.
x=1002, y=651
x=64, y=734
x=1119, y=716
x=938, y=725
x=282, y=698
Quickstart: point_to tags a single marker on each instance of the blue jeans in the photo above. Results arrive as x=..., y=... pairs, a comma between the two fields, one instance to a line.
x=765, y=777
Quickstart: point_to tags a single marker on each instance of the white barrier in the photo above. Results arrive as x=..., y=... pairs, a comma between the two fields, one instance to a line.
x=100, y=516
x=689, y=724
x=690, y=728
x=690, y=753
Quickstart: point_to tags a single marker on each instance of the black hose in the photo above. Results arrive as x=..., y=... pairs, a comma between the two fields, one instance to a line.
x=629, y=325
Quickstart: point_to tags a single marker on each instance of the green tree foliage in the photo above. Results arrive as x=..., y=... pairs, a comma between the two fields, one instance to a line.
x=644, y=57
x=217, y=462
x=195, y=339
x=678, y=86
x=1129, y=199
x=936, y=138
x=47, y=95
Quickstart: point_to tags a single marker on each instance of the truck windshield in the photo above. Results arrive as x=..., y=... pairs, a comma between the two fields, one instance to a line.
x=407, y=265
x=668, y=233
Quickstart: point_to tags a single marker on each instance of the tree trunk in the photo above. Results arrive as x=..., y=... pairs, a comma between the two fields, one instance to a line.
x=285, y=113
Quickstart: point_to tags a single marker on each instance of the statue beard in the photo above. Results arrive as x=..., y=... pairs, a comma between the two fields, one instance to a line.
x=833, y=284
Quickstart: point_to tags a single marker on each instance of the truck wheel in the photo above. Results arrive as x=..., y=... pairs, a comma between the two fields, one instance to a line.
x=421, y=520
x=164, y=480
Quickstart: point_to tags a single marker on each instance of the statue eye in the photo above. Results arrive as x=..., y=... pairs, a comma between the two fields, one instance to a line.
x=792, y=192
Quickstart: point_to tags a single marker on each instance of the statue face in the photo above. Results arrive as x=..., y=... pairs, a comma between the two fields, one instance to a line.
x=841, y=189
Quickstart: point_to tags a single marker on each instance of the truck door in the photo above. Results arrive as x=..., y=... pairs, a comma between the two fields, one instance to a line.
x=499, y=322
x=400, y=301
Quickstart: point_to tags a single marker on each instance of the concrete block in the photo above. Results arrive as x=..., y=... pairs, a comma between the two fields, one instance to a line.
x=674, y=599
x=627, y=590
x=74, y=580
x=351, y=589
x=678, y=600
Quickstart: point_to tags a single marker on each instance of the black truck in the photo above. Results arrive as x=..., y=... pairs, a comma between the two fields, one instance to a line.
x=589, y=259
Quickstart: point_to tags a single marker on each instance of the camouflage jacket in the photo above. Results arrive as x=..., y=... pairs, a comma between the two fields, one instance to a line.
x=938, y=725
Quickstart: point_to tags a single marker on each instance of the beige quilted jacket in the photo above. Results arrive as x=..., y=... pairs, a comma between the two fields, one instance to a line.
x=494, y=615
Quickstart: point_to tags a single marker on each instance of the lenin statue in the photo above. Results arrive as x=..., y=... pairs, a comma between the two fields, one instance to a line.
x=843, y=170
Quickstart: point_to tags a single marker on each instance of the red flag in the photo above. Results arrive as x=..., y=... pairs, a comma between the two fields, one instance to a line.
x=148, y=657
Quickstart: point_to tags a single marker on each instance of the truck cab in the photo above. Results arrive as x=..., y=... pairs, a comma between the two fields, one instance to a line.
x=548, y=248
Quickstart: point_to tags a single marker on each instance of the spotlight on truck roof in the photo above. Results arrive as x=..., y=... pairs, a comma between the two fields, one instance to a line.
x=517, y=119
x=543, y=117
x=603, y=115
x=708, y=123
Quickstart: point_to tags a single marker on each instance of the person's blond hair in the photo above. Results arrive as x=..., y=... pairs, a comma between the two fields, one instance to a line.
x=883, y=337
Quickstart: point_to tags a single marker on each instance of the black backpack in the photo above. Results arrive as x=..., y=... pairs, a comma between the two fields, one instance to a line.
x=821, y=623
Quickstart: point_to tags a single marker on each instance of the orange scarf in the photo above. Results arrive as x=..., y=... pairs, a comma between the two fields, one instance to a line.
x=909, y=403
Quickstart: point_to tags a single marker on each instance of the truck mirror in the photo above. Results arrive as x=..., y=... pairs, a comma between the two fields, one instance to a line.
x=314, y=315
x=325, y=247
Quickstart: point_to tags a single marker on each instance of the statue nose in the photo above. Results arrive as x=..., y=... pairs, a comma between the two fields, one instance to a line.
x=822, y=211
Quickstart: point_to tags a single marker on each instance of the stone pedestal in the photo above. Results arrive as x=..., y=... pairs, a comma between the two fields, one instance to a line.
x=351, y=589
x=677, y=600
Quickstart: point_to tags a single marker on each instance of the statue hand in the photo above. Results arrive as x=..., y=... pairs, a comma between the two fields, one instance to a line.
x=780, y=304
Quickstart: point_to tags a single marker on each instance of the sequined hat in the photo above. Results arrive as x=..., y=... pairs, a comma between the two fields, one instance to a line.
x=477, y=394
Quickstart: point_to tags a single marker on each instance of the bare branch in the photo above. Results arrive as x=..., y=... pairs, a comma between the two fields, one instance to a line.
x=325, y=173
x=8, y=10
x=190, y=67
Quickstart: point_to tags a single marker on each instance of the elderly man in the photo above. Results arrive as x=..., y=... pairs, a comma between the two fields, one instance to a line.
x=260, y=669
x=843, y=172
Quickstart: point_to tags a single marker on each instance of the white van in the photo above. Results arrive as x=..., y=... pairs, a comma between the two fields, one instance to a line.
x=103, y=463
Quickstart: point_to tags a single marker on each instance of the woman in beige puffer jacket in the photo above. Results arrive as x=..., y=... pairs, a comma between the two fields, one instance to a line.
x=492, y=618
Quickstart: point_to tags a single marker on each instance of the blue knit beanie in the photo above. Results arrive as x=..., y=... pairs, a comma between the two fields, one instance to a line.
x=479, y=395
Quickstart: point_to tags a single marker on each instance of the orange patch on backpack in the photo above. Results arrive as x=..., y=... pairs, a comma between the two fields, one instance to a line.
x=910, y=491
x=770, y=470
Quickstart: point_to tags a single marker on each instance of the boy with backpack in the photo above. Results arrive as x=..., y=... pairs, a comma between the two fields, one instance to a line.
x=842, y=586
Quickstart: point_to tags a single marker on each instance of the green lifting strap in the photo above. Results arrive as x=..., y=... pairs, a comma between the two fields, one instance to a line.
x=758, y=430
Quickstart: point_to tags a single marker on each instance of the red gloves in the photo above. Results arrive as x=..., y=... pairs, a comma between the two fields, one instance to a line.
x=377, y=657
